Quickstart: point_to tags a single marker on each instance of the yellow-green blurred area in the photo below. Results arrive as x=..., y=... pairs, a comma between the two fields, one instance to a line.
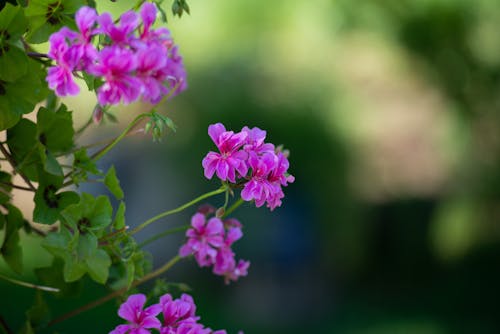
x=391, y=112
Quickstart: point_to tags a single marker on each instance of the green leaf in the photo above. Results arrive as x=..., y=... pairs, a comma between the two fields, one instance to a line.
x=13, y=62
x=20, y=96
x=112, y=183
x=90, y=214
x=121, y=274
x=53, y=276
x=49, y=202
x=82, y=165
x=98, y=266
x=50, y=164
x=73, y=269
x=13, y=59
x=60, y=243
x=22, y=143
x=119, y=221
x=11, y=250
x=38, y=315
x=48, y=17
x=55, y=129
x=12, y=20
x=5, y=178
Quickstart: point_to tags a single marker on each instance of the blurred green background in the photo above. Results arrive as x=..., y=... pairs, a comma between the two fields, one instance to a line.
x=391, y=112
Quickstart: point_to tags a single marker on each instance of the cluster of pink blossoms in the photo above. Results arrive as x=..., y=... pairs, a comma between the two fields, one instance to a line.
x=210, y=242
x=178, y=316
x=244, y=158
x=134, y=60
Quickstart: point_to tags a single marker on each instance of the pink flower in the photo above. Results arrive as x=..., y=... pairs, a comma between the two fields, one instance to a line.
x=255, y=140
x=258, y=187
x=60, y=77
x=203, y=239
x=240, y=270
x=121, y=34
x=176, y=312
x=150, y=62
x=230, y=159
x=85, y=20
x=116, y=65
x=148, y=15
x=224, y=261
x=175, y=71
x=139, y=320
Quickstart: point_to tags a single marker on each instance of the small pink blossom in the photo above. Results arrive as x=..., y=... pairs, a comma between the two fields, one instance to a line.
x=116, y=65
x=240, y=270
x=230, y=159
x=203, y=239
x=255, y=140
x=121, y=34
x=60, y=77
x=140, y=320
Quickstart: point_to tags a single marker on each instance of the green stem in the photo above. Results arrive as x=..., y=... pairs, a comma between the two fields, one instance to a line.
x=28, y=285
x=107, y=148
x=233, y=207
x=178, y=209
x=84, y=127
x=117, y=293
x=164, y=234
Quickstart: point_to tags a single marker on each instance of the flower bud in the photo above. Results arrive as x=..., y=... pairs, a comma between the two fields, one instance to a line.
x=97, y=114
x=220, y=212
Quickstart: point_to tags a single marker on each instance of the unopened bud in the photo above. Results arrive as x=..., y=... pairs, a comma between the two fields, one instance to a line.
x=206, y=209
x=220, y=212
x=97, y=114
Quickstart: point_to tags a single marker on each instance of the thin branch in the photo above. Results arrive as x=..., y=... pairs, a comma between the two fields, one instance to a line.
x=13, y=164
x=116, y=293
x=28, y=285
x=15, y=186
x=37, y=55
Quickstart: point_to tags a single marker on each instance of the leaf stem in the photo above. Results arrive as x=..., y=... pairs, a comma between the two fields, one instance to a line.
x=233, y=207
x=164, y=234
x=116, y=293
x=178, y=209
x=99, y=154
x=28, y=285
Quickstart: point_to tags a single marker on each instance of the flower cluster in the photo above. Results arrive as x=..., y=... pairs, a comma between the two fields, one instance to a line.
x=178, y=316
x=245, y=158
x=210, y=242
x=132, y=61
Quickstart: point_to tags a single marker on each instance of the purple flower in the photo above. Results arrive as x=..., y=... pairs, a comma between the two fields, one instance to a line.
x=255, y=140
x=150, y=61
x=240, y=270
x=116, y=65
x=259, y=188
x=85, y=20
x=176, y=312
x=230, y=159
x=60, y=77
x=224, y=261
x=139, y=320
x=203, y=239
x=175, y=71
x=148, y=15
x=122, y=34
